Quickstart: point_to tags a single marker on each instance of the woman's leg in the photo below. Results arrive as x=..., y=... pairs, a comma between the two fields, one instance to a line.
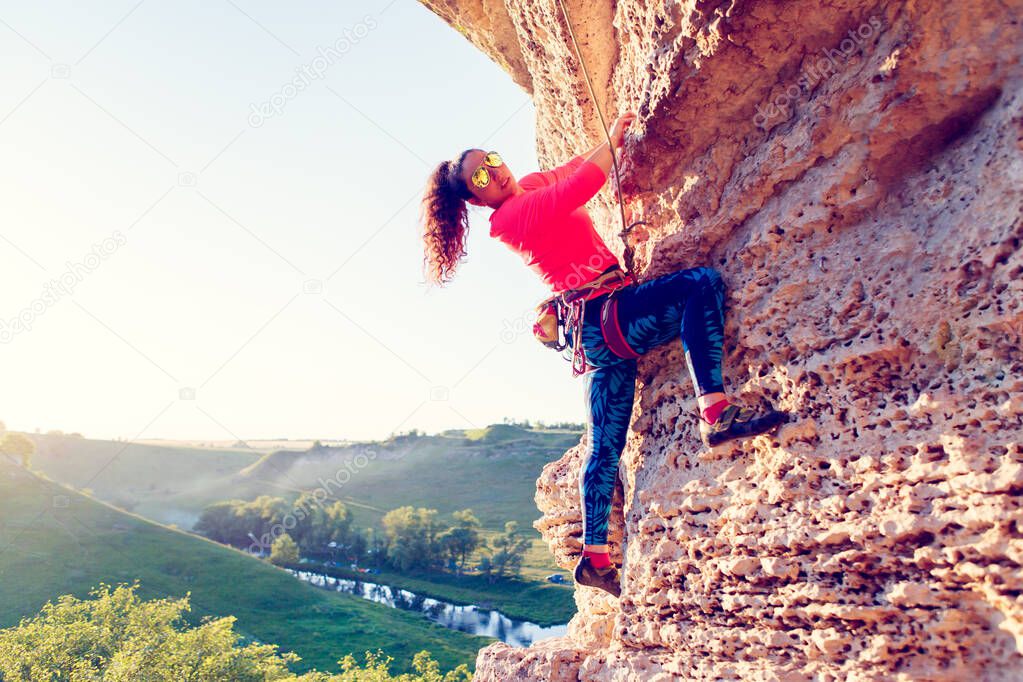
x=610, y=392
x=689, y=303
x=650, y=314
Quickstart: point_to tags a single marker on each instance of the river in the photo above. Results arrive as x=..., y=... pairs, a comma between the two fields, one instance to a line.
x=471, y=619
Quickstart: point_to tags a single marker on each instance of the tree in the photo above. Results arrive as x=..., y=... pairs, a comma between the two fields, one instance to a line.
x=485, y=567
x=85, y=639
x=236, y=522
x=462, y=539
x=508, y=550
x=18, y=446
x=316, y=525
x=310, y=522
x=215, y=521
x=412, y=537
x=356, y=548
x=284, y=551
x=376, y=548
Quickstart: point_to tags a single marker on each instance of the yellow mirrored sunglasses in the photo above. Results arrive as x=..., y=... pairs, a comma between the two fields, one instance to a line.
x=481, y=176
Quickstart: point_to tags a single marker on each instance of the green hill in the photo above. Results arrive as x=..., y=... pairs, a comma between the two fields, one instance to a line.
x=166, y=483
x=492, y=471
x=54, y=541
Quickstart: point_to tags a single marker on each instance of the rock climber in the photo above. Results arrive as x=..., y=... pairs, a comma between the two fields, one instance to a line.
x=608, y=319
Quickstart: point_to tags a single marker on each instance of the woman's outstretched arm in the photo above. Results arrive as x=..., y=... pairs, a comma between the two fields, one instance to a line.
x=585, y=180
x=566, y=169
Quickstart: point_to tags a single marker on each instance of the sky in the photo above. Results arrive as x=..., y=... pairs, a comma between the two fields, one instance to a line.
x=209, y=225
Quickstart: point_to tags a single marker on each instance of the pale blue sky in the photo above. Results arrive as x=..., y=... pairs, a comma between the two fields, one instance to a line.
x=133, y=122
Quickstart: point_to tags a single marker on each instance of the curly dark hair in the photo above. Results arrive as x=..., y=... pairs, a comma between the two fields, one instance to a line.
x=444, y=217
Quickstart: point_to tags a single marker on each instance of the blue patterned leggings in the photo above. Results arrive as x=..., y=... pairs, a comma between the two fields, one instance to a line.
x=689, y=303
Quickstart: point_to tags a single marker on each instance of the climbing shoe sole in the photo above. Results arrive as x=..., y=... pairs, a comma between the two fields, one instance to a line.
x=736, y=422
x=606, y=579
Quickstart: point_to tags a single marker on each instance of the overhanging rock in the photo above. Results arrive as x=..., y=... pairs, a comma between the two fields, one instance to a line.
x=854, y=169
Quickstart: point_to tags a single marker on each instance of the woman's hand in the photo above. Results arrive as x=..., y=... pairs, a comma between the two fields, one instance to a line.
x=604, y=155
x=619, y=126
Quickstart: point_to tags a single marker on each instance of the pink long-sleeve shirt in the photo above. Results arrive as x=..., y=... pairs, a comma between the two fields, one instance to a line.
x=548, y=226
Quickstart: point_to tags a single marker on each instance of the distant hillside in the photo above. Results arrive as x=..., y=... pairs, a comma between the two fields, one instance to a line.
x=167, y=483
x=54, y=541
x=499, y=433
x=492, y=470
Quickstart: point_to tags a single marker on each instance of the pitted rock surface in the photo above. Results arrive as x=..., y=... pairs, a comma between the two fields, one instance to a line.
x=854, y=170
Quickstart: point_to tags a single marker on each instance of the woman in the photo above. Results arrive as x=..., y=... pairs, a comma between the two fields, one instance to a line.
x=542, y=217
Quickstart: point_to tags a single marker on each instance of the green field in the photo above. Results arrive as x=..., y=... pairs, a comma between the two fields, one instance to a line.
x=54, y=541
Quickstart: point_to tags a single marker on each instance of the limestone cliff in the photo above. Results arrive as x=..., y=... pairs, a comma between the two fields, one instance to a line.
x=854, y=169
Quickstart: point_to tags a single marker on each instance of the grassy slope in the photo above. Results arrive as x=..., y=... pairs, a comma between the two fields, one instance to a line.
x=54, y=541
x=497, y=482
x=162, y=482
x=492, y=471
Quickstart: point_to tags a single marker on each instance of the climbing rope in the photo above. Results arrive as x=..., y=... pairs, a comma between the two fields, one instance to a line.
x=607, y=135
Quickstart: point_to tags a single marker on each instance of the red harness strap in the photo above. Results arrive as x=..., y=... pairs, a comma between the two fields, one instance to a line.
x=612, y=331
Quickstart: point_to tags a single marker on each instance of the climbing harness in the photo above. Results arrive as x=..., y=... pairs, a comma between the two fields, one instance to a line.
x=613, y=336
x=554, y=318
x=563, y=315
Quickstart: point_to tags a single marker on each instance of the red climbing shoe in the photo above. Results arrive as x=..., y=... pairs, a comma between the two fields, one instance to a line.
x=602, y=578
x=736, y=422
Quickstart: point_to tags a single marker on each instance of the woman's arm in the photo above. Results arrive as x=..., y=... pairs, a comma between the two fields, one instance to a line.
x=598, y=154
x=585, y=180
x=559, y=173
x=567, y=194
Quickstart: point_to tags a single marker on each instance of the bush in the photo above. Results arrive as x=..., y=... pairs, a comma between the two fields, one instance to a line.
x=18, y=447
x=284, y=551
x=117, y=637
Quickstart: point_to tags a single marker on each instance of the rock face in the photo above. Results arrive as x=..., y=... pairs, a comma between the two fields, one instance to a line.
x=854, y=169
